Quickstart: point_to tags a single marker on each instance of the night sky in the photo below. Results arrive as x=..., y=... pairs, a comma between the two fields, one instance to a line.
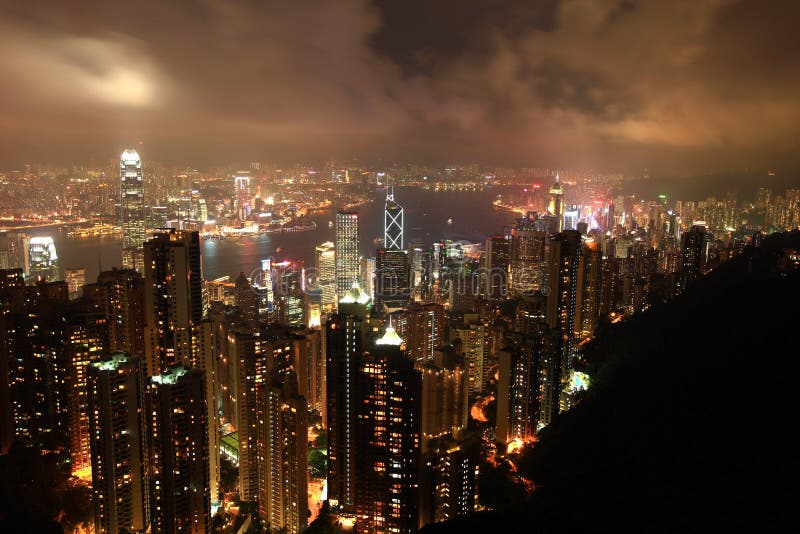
x=678, y=86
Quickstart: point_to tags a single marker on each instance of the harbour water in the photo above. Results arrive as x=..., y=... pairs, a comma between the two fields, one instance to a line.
x=429, y=216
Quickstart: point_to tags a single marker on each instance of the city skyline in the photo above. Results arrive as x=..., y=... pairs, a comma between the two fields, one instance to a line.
x=376, y=267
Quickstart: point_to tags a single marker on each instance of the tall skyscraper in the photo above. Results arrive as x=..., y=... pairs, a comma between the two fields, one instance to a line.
x=121, y=294
x=33, y=362
x=242, y=196
x=289, y=292
x=422, y=327
x=43, y=260
x=519, y=388
x=245, y=298
x=132, y=215
x=450, y=480
x=474, y=337
x=565, y=254
x=555, y=205
x=367, y=276
x=392, y=279
x=345, y=340
x=283, y=455
x=347, y=265
x=264, y=288
x=85, y=334
x=249, y=359
x=528, y=247
x=173, y=299
x=590, y=282
x=392, y=223
x=387, y=439
x=571, y=217
x=496, y=262
x=180, y=487
x=444, y=397
x=76, y=279
x=175, y=331
x=12, y=285
x=309, y=362
x=694, y=254
x=251, y=354
x=118, y=437
x=326, y=274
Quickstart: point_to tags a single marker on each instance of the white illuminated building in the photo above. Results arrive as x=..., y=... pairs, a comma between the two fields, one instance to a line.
x=132, y=217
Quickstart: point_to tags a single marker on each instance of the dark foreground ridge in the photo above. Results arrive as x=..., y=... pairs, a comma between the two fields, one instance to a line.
x=689, y=425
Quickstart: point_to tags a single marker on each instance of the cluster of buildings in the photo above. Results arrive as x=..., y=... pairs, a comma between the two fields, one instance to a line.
x=144, y=379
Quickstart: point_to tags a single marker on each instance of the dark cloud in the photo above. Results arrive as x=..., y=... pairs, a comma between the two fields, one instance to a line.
x=681, y=85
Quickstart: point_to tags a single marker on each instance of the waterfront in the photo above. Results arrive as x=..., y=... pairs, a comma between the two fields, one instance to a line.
x=471, y=214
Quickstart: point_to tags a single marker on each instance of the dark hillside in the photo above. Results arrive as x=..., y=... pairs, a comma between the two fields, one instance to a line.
x=690, y=423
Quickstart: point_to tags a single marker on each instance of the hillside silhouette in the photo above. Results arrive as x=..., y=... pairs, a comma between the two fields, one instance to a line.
x=689, y=425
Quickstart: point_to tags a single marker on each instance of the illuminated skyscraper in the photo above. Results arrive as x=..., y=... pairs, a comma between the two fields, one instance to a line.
x=694, y=254
x=326, y=274
x=392, y=223
x=347, y=265
x=528, y=247
x=250, y=355
x=178, y=433
x=85, y=332
x=43, y=259
x=173, y=299
x=565, y=254
x=387, y=438
x=450, y=480
x=422, y=328
x=264, y=288
x=519, y=387
x=76, y=279
x=289, y=292
x=345, y=339
x=571, y=217
x=282, y=455
x=474, y=336
x=248, y=359
x=309, y=364
x=121, y=294
x=392, y=279
x=132, y=215
x=556, y=204
x=444, y=397
x=242, y=195
x=367, y=275
x=32, y=363
x=496, y=261
x=118, y=436
x=175, y=330
x=590, y=282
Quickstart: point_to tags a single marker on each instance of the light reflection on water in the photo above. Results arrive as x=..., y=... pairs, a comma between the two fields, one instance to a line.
x=426, y=215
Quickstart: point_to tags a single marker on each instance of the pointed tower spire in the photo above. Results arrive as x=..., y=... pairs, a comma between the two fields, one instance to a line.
x=390, y=337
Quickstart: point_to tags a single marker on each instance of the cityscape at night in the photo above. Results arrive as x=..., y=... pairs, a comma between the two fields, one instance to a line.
x=392, y=267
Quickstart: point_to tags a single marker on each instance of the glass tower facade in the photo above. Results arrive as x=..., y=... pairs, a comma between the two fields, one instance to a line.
x=132, y=210
x=347, y=265
x=392, y=223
